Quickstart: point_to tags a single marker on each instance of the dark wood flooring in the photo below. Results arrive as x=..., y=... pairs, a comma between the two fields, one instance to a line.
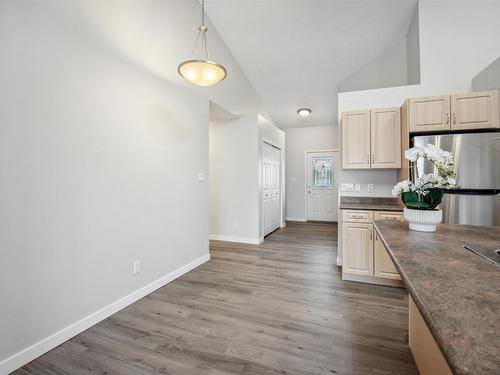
x=276, y=308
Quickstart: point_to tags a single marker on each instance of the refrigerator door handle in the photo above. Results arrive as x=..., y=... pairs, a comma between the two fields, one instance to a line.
x=473, y=191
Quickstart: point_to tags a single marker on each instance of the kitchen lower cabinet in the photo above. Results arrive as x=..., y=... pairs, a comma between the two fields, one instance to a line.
x=426, y=352
x=364, y=256
x=384, y=267
x=358, y=248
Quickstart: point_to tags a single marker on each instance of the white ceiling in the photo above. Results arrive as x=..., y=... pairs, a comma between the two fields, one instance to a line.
x=295, y=52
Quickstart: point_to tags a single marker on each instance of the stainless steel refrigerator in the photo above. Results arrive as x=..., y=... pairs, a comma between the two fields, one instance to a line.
x=477, y=164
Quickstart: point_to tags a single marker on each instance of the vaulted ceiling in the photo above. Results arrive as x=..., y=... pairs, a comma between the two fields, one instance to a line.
x=295, y=52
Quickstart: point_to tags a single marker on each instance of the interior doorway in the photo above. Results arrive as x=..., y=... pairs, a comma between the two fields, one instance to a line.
x=271, y=188
x=321, y=188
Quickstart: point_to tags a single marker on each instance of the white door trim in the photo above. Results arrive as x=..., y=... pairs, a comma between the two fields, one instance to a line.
x=305, y=175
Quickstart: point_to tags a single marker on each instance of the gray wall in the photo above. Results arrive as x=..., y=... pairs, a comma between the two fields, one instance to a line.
x=100, y=146
x=298, y=141
x=388, y=70
x=413, y=50
x=488, y=78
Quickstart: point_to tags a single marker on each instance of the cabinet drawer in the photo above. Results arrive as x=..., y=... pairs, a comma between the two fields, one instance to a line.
x=357, y=216
x=388, y=215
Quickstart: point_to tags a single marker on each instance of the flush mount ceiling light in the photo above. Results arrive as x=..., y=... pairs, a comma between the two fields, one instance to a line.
x=202, y=72
x=304, y=112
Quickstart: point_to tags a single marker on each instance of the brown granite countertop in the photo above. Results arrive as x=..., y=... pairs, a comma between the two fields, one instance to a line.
x=456, y=291
x=370, y=203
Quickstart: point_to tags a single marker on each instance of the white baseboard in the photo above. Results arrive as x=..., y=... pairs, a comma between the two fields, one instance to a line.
x=30, y=353
x=303, y=219
x=252, y=241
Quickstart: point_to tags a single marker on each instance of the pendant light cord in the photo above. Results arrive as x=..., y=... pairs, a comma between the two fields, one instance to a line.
x=203, y=12
x=202, y=32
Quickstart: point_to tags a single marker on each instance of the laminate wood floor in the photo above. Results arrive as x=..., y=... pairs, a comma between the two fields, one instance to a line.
x=275, y=308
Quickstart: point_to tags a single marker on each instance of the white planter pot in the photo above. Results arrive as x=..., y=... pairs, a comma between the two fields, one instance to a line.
x=423, y=220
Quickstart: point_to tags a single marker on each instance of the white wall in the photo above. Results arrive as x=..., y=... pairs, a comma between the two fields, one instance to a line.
x=451, y=54
x=236, y=176
x=100, y=145
x=234, y=199
x=298, y=141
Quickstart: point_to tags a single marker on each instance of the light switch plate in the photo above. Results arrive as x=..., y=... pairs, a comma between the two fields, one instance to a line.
x=202, y=177
x=357, y=187
x=347, y=187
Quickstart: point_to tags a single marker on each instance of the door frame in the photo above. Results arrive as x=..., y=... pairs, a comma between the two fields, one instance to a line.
x=305, y=176
x=261, y=190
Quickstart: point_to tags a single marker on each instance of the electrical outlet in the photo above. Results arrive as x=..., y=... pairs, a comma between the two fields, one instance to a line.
x=369, y=187
x=137, y=266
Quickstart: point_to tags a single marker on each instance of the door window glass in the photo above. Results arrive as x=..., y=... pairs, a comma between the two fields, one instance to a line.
x=322, y=172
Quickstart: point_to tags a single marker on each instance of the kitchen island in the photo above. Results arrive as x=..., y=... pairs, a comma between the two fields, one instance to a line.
x=456, y=291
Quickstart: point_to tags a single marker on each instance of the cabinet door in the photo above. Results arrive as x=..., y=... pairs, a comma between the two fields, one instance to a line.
x=478, y=110
x=385, y=130
x=383, y=267
x=357, y=242
x=356, y=140
x=429, y=114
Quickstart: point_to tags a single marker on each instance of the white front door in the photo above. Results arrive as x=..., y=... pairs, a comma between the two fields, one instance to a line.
x=271, y=197
x=321, y=186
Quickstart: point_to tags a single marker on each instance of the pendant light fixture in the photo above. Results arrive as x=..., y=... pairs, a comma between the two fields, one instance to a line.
x=202, y=72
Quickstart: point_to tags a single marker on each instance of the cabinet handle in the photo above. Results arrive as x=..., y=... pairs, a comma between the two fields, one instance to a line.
x=371, y=235
x=454, y=118
x=447, y=119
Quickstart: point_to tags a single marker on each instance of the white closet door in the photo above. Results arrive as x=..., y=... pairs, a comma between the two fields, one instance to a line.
x=276, y=189
x=271, y=198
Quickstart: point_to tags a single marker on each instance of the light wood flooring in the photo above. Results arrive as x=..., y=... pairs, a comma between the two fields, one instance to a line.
x=276, y=308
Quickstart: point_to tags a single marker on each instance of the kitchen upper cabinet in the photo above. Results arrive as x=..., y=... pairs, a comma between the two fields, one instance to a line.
x=385, y=129
x=356, y=140
x=358, y=249
x=429, y=114
x=384, y=267
x=371, y=139
x=478, y=110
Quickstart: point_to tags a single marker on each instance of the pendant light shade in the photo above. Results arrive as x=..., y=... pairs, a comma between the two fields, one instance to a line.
x=202, y=71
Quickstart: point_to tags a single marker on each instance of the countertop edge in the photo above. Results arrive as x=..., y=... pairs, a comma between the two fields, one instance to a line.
x=416, y=298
